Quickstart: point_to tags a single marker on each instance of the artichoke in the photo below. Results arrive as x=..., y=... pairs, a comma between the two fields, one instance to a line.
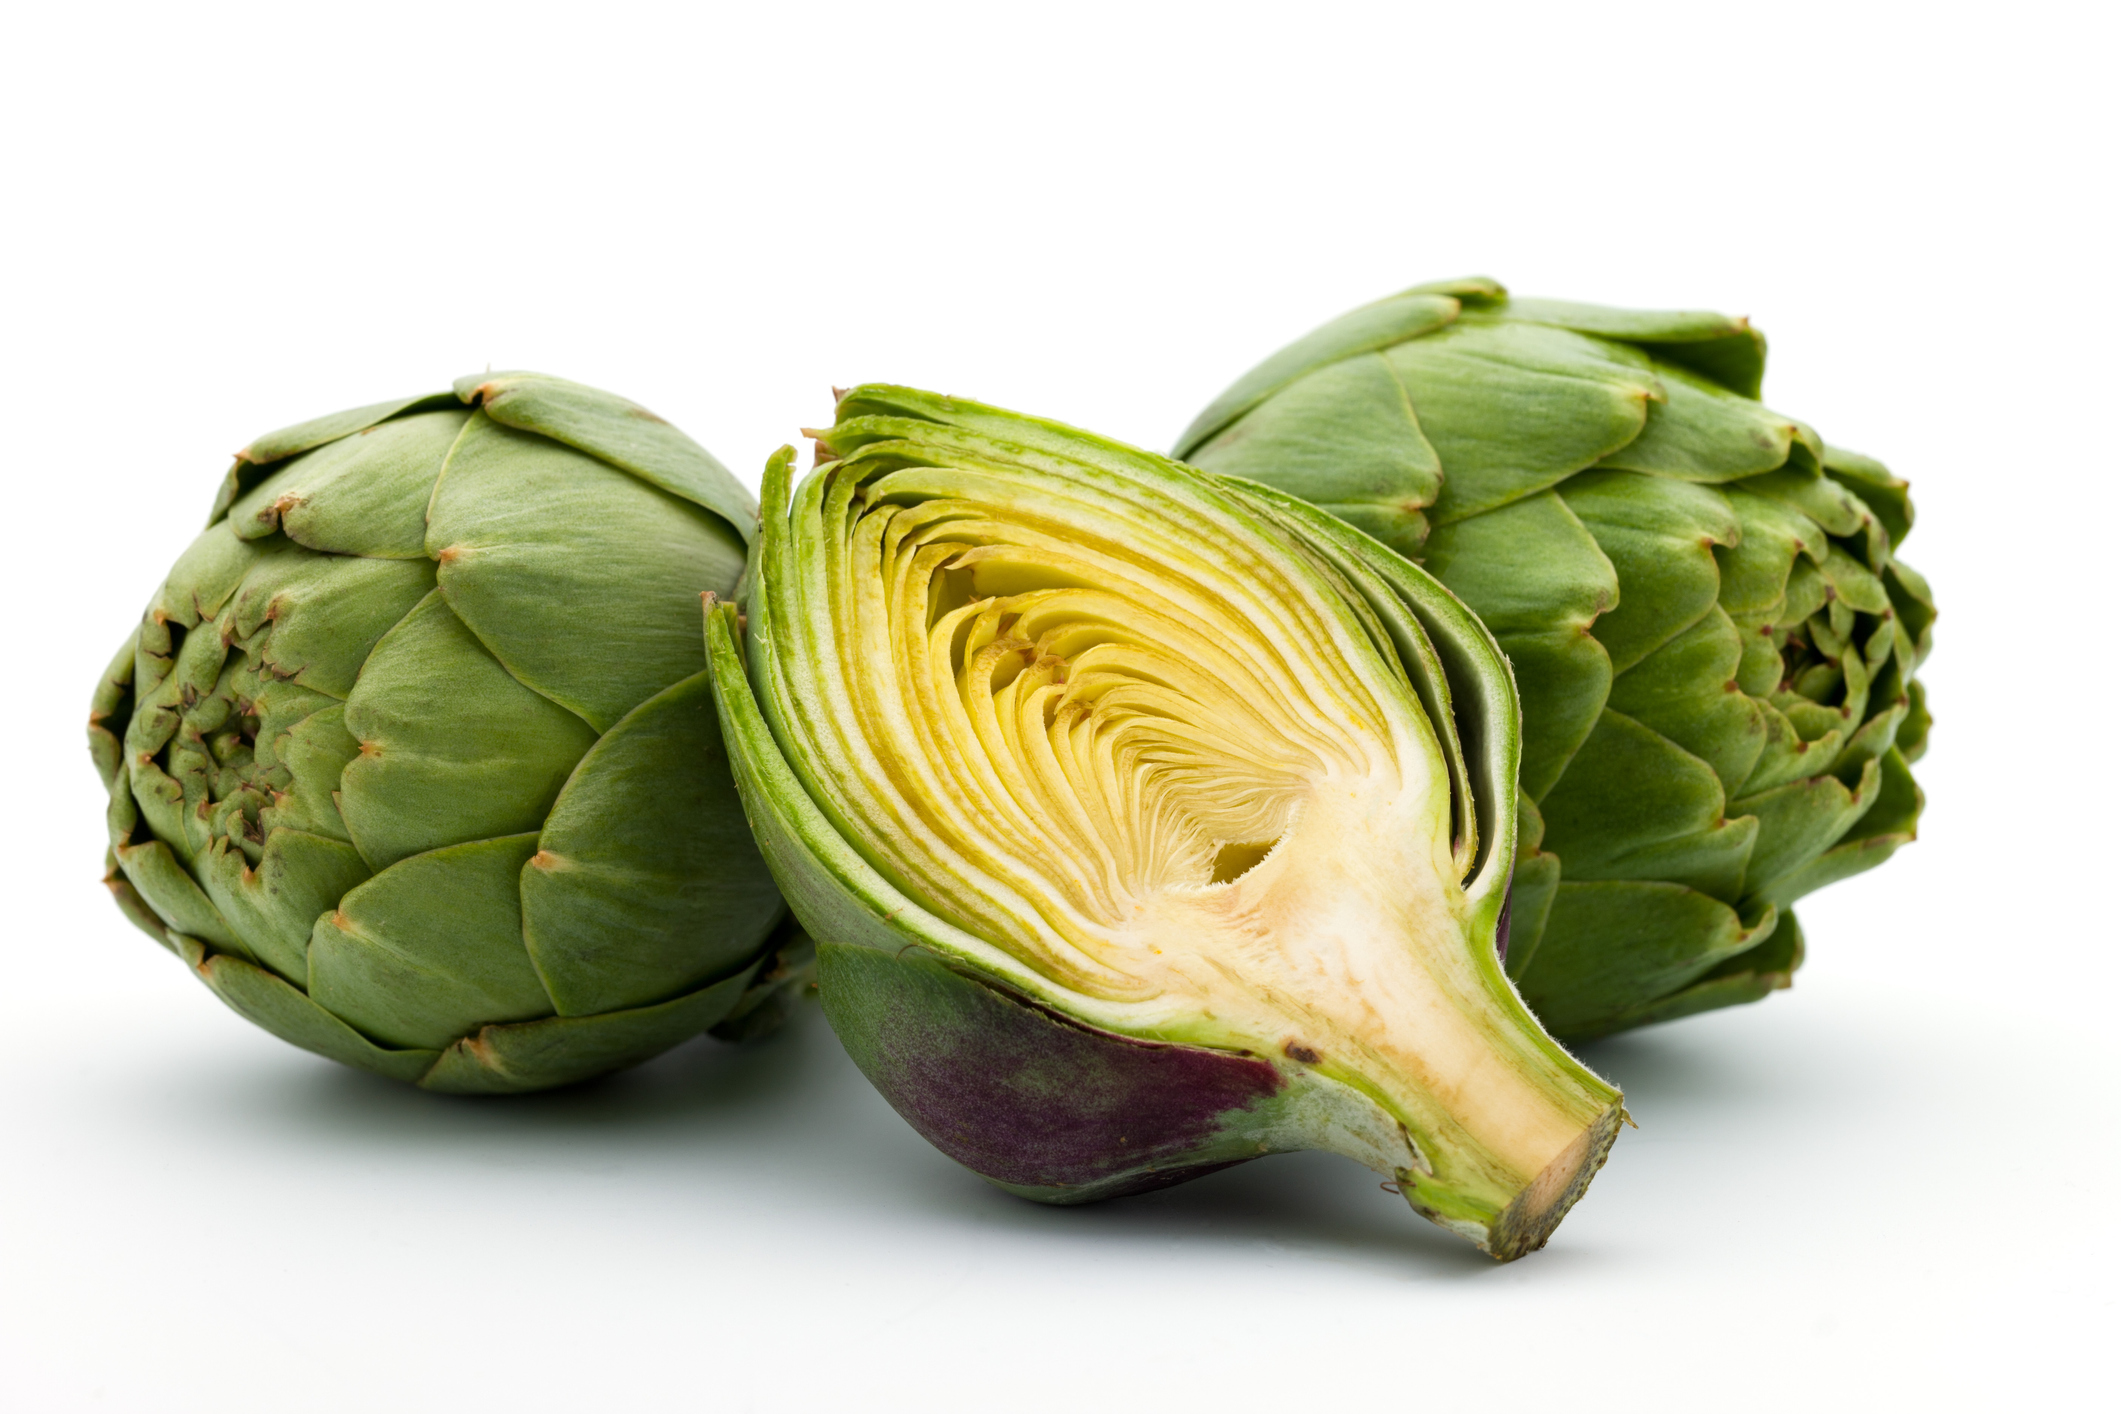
x=414, y=760
x=1714, y=641
x=1146, y=822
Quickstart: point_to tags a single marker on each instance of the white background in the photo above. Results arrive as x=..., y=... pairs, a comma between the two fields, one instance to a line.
x=1890, y=1188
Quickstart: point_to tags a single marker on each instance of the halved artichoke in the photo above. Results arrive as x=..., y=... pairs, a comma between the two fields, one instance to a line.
x=1715, y=640
x=1146, y=822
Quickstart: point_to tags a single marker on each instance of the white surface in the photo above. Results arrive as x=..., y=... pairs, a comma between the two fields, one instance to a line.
x=1890, y=1188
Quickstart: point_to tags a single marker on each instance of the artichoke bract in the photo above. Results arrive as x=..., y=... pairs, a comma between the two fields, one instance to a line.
x=1713, y=637
x=414, y=760
x=1145, y=822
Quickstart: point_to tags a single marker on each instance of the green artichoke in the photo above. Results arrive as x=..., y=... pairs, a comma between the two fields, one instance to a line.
x=1146, y=822
x=414, y=759
x=1715, y=643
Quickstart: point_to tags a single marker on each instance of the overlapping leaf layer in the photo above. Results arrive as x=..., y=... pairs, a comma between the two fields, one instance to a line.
x=1713, y=637
x=413, y=757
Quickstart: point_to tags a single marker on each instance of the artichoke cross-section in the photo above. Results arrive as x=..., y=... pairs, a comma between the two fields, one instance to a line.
x=414, y=759
x=1145, y=822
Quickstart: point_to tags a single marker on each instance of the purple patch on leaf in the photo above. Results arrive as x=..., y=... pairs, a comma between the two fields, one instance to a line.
x=1022, y=1095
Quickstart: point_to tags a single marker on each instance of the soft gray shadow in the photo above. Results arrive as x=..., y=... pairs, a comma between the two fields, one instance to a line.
x=1315, y=1203
x=1746, y=1059
x=1669, y=1066
x=702, y=1085
x=1323, y=1203
x=791, y=1113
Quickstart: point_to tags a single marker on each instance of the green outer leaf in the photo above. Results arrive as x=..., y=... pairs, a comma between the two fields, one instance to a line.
x=1365, y=330
x=1763, y=968
x=563, y=1050
x=160, y=802
x=155, y=874
x=1756, y=571
x=1869, y=742
x=496, y=1060
x=431, y=947
x=646, y=880
x=1800, y=821
x=1853, y=584
x=1885, y=493
x=1727, y=351
x=254, y=460
x=1532, y=888
x=1913, y=737
x=622, y=433
x=1703, y=432
x=1473, y=291
x=1513, y=409
x=1346, y=438
x=267, y=1001
x=1660, y=536
x=1820, y=499
x=134, y=907
x=785, y=975
x=1538, y=581
x=361, y=495
x=110, y=711
x=315, y=619
x=1634, y=326
x=582, y=580
x=183, y=666
x=1787, y=756
x=1635, y=806
x=1608, y=945
x=282, y=708
x=1887, y=825
x=307, y=436
x=1687, y=692
x=452, y=747
x=975, y=428
x=1915, y=607
x=316, y=750
x=274, y=906
x=199, y=584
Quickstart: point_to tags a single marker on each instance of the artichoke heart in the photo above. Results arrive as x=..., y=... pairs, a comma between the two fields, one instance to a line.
x=1145, y=822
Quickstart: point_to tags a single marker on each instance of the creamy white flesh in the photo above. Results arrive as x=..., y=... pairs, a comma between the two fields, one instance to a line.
x=1141, y=742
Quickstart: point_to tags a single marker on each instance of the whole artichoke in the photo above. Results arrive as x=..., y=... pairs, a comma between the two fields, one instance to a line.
x=413, y=757
x=1146, y=821
x=1715, y=644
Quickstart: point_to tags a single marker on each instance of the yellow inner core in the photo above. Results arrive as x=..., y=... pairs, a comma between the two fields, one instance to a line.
x=1082, y=724
x=1135, y=751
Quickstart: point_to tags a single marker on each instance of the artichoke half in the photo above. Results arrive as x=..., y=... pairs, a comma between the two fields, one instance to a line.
x=1715, y=642
x=414, y=759
x=1146, y=822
